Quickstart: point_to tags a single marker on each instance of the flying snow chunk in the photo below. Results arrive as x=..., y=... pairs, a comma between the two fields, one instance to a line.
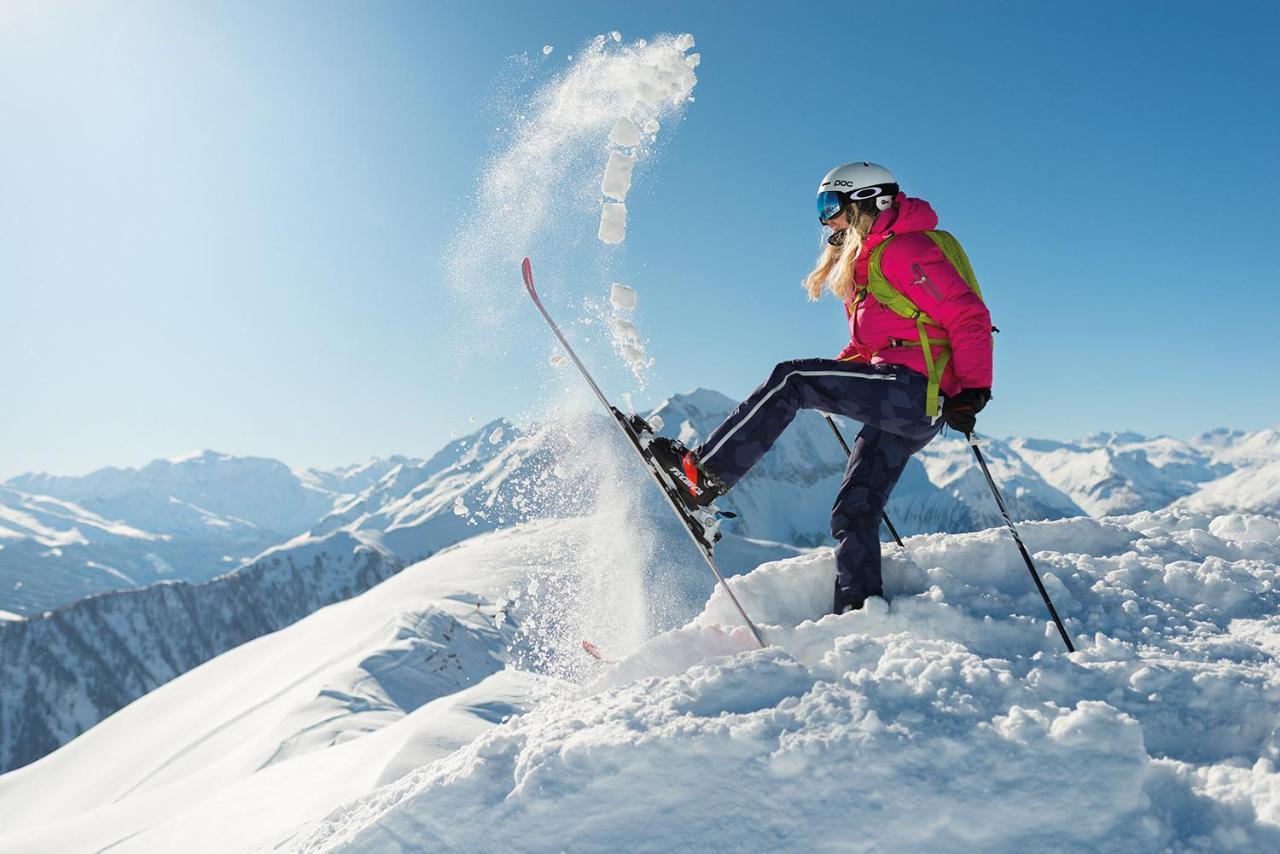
x=693, y=59
x=621, y=296
x=496, y=436
x=656, y=422
x=613, y=223
x=546, y=49
x=557, y=360
x=625, y=330
x=651, y=126
x=617, y=176
x=624, y=133
x=684, y=42
x=460, y=508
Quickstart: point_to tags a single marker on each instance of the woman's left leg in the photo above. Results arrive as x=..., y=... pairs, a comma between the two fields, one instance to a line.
x=889, y=397
x=877, y=460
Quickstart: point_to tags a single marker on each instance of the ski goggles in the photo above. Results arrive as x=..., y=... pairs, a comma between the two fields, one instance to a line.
x=830, y=203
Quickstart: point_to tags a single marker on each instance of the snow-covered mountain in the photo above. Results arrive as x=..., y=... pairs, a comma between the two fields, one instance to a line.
x=412, y=717
x=210, y=495
x=192, y=518
x=1112, y=473
x=196, y=517
x=1252, y=485
x=63, y=671
x=501, y=475
x=496, y=476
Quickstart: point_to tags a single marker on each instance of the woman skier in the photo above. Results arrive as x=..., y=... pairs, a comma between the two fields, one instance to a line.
x=882, y=378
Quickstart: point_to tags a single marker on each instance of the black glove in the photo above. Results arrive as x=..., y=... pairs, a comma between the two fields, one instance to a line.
x=961, y=410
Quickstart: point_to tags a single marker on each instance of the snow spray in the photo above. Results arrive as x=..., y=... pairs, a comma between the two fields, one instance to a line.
x=556, y=188
x=566, y=158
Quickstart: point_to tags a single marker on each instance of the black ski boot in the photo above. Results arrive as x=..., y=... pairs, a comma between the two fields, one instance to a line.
x=696, y=486
x=846, y=601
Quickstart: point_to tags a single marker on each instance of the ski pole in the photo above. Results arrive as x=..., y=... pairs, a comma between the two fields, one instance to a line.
x=1044, y=594
x=848, y=453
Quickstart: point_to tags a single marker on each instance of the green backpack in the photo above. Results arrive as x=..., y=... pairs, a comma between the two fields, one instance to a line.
x=900, y=304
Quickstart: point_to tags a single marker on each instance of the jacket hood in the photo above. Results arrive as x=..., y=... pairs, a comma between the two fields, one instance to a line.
x=910, y=215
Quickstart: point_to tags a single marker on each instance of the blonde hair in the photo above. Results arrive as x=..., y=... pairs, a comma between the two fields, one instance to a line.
x=834, y=268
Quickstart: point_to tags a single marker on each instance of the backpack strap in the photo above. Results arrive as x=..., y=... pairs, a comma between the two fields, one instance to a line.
x=902, y=305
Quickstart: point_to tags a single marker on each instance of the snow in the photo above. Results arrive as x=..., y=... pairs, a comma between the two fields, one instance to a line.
x=617, y=176
x=624, y=134
x=550, y=160
x=9, y=615
x=546, y=49
x=613, y=222
x=625, y=336
x=1244, y=527
x=1254, y=487
x=950, y=710
x=623, y=297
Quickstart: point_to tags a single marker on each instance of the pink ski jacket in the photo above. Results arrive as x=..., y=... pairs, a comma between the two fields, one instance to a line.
x=916, y=266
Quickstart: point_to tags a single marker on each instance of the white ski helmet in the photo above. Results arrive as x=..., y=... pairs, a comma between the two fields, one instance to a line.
x=870, y=186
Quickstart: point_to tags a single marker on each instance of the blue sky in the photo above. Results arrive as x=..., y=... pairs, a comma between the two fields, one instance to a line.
x=223, y=225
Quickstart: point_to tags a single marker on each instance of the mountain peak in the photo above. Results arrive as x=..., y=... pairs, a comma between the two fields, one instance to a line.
x=703, y=400
x=205, y=456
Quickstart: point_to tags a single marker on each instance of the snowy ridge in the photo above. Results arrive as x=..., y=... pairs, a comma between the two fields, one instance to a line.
x=967, y=725
x=65, y=670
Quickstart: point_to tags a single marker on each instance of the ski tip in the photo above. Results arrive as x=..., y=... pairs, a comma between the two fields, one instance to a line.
x=526, y=269
x=594, y=651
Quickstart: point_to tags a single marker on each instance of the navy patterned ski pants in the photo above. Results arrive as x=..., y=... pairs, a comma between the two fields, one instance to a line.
x=887, y=399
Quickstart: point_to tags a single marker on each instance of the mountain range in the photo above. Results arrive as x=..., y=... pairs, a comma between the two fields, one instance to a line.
x=245, y=546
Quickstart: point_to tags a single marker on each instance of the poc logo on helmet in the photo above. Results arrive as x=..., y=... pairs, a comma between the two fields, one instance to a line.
x=860, y=193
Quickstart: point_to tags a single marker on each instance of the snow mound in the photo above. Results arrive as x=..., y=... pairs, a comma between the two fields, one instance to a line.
x=1243, y=528
x=949, y=714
